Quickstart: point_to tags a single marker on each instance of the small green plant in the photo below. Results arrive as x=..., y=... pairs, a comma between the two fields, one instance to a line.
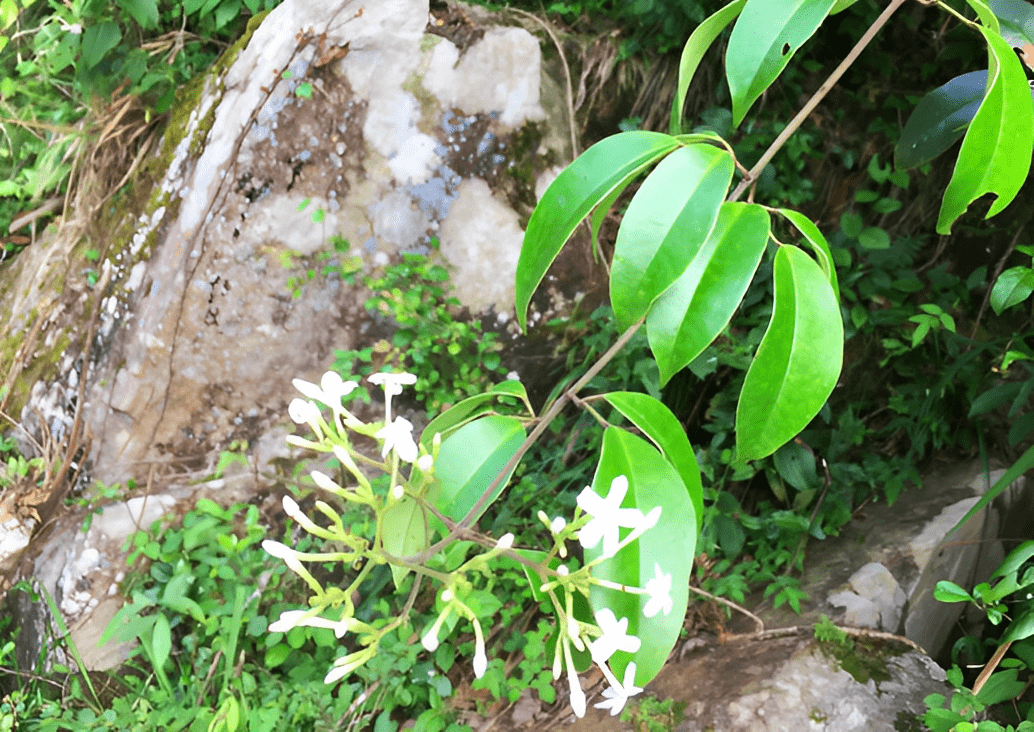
x=827, y=632
x=452, y=358
x=650, y=714
x=96, y=496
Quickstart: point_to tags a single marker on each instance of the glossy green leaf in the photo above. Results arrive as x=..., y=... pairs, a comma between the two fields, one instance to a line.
x=939, y=119
x=946, y=591
x=662, y=427
x=996, y=151
x=798, y=362
x=652, y=481
x=468, y=409
x=1012, y=287
x=1020, y=628
x=818, y=244
x=470, y=459
x=691, y=313
x=1015, y=560
x=607, y=165
x=97, y=41
x=1016, y=20
x=665, y=225
x=693, y=52
x=840, y=5
x=406, y=531
x=764, y=39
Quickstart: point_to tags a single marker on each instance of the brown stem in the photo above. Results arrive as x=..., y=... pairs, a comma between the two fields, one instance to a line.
x=543, y=423
x=815, y=99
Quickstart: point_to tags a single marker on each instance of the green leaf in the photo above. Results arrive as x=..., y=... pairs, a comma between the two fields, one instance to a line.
x=468, y=409
x=1012, y=287
x=873, y=237
x=657, y=422
x=652, y=481
x=796, y=465
x=996, y=151
x=1015, y=560
x=698, y=306
x=610, y=163
x=939, y=119
x=406, y=531
x=161, y=640
x=665, y=225
x=470, y=459
x=97, y=41
x=818, y=244
x=946, y=591
x=994, y=398
x=798, y=362
x=175, y=598
x=1016, y=18
x=851, y=225
x=144, y=12
x=764, y=39
x=693, y=52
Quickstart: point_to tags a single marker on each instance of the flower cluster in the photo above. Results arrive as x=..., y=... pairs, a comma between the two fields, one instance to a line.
x=602, y=521
x=599, y=521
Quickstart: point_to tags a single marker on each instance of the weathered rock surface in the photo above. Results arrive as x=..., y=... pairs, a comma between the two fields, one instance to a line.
x=792, y=683
x=881, y=571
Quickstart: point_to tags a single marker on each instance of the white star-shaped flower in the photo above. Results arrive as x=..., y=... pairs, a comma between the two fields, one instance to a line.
x=616, y=697
x=615, y=637
x=607, y=516
x=659, y=589
x=398, y=436
x=330, y=390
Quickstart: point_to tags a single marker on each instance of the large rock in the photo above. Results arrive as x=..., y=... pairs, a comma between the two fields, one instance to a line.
x=330, y=119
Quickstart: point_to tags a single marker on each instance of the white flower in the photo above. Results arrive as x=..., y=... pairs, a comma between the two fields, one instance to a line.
x=324, y=482
x=659, y=589
x=397, y=492
x=614, y=638
x=392, y=384
x=291, y=508
x=607, y=516
x=281, y=551
x=558, y=524
x=347, y=664
x=303, y=412
x=398, y=435
x=425, y=463
x=429, y=640
x=577, y=695
x=330, y=391
x=505, y=541
x=480, y=659
x=617, y=696
x=301, y=618
x=288, y=620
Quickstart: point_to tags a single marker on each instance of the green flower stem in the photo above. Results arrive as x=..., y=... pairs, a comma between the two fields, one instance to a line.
x=544, y=422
